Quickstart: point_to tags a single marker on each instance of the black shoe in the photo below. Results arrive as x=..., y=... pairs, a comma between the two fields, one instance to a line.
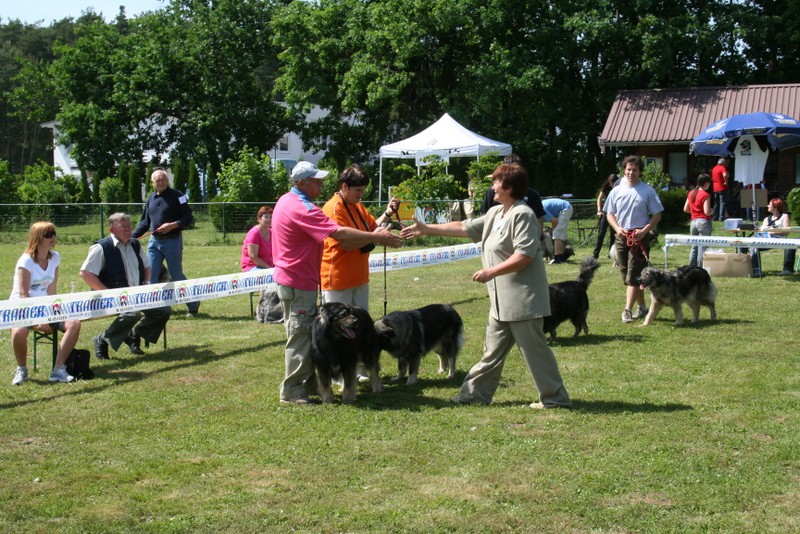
x=100, y=348
x=133, y=343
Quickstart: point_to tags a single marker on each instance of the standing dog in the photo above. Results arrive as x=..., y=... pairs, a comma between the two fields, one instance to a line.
x=687, y=284
x=569, y=300
x=341, y=337
x=409, y=335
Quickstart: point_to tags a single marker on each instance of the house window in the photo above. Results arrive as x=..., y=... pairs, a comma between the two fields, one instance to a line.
x=677, y=166
x=283, y=144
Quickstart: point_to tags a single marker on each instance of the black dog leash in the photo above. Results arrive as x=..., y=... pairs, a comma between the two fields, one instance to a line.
x=385, y=284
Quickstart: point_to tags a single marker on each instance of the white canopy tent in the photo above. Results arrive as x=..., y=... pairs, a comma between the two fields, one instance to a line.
x=445, y=138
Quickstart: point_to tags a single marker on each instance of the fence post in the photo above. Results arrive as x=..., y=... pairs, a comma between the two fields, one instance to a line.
x=224, y=222
x=102, y=230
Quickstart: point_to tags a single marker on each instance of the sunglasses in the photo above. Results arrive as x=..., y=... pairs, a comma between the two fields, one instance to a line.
x=48, y=234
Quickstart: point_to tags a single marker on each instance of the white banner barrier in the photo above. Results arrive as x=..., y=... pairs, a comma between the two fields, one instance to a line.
x=95, y=304
x=671, y=240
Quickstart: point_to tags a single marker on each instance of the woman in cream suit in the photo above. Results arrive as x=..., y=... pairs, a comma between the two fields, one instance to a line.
x=515, y=278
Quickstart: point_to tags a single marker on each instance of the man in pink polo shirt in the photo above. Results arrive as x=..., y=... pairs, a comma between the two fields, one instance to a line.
x=299, y=228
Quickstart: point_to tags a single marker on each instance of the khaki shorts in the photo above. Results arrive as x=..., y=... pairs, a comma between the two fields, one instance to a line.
x=632, y=261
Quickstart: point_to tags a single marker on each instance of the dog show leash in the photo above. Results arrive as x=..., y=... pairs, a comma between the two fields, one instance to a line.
x=634, y=245
x=385, y=285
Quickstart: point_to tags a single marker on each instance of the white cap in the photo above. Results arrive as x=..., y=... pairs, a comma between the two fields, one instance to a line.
x=306, y=169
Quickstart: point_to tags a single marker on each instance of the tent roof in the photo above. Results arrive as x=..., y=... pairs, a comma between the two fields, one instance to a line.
x=445, y=135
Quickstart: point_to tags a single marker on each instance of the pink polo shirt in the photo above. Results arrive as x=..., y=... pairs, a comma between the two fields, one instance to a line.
x=299, y=229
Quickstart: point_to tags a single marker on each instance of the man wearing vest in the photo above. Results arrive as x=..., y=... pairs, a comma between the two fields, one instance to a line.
x=119, y=261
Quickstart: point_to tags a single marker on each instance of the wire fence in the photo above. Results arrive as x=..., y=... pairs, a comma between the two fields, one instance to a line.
x=227, y=222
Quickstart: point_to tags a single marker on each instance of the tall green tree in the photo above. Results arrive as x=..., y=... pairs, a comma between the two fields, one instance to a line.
x=194, y=183
x=134, y=183
x=85, y=195
x=179, y=174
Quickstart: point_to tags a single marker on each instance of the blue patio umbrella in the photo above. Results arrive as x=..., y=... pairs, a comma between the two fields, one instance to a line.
x=719, y=139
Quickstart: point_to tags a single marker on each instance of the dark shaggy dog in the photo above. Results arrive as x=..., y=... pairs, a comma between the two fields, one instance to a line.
x=569, y=300
x=409, y=335
x=341, y=337
x=687, y=284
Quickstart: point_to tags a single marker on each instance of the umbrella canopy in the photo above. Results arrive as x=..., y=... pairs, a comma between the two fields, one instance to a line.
x=719, y=139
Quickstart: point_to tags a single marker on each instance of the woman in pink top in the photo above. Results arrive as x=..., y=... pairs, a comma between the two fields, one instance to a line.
x=257, y=246
x=698, y=204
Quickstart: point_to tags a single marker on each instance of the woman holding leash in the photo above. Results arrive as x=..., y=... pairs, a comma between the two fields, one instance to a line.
x=514, y=274
x=36, y=275
x=344, y=275
x=698, y=205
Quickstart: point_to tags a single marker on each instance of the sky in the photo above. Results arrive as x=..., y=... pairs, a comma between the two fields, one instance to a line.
x=31, y=11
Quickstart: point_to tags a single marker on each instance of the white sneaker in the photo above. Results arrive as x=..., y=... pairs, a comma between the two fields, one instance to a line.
x=641, y=313
x=20, y=376
x=60, y=374
x=626, y=316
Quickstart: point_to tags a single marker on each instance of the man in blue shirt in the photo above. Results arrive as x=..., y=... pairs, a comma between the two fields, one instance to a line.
x=558, y=212
x=166, y=214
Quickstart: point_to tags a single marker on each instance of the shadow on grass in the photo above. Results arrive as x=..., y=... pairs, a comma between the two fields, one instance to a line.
x=595, y=339
x=472, y=299
x=619, y=407
x=180, y=358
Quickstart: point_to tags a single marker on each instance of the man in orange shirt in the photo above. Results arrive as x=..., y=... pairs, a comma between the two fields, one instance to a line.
x=344, y=275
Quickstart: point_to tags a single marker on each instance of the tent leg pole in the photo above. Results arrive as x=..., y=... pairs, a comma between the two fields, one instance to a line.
x=380, y=179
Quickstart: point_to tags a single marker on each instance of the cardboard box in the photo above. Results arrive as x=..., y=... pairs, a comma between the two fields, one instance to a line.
x=727, y=264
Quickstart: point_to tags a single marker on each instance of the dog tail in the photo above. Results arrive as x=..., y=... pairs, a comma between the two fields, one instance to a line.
x=588, y=266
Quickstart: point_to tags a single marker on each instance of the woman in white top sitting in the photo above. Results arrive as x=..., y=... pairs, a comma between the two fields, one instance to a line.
x=777, y=224
x=36, y=275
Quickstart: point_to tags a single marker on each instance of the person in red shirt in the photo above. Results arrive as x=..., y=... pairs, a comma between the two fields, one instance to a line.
x=720, y=179
x=698, y=205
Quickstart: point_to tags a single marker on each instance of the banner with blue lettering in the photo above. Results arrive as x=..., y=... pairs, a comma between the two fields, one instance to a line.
x=94, y=304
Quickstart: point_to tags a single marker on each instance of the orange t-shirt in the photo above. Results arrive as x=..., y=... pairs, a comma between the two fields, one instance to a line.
x=344, y=269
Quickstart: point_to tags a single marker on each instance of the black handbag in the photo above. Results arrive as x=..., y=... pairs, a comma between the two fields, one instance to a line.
x=78, y=364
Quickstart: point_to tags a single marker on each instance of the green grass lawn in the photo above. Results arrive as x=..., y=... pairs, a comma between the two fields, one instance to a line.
x=675, y=429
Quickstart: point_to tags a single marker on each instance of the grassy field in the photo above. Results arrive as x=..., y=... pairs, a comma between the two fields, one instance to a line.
x=675, y=429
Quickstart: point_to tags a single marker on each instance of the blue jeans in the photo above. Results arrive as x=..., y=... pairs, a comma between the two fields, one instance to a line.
x=720, y=205
x=171, y=251
x=698, y=227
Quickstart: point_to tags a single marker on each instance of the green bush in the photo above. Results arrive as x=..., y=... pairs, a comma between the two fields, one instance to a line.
x=249, y=177
x=433, y=183
x=40, y=187
x=793, y=204
x=673, y=215
x=654, y=175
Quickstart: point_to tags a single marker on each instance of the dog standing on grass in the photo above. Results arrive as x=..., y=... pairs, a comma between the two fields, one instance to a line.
x=688, y=284
x=409, y=335
x=342, y=336
x=569, y=300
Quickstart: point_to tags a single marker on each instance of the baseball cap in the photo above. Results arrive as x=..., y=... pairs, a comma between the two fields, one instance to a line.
x=306, y=169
